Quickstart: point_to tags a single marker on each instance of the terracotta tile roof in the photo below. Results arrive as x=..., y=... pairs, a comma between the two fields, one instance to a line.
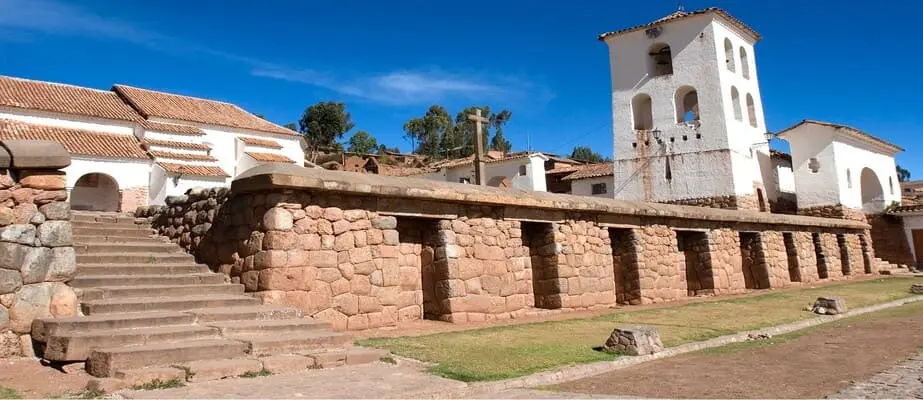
x=678, y=15
x=173, y=106
x=458, y=162
x=781, y=155
x=197, y=170
x=591, y=171
x=176, y=129
x=856, y=133
x=177, y=145
x=269, y=157
x=398, y=170
x=906, y=209
x=181, y=156
x=76, y=141
x=66, y=99
x=272, y=144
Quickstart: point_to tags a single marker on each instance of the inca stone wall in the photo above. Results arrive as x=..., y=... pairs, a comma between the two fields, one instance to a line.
x=832, y=255
x=834, y=211
x=37, y=255
x=888, y=239
x=805, y=255
x=755, y=269
x=856, y=262
x=361, y=252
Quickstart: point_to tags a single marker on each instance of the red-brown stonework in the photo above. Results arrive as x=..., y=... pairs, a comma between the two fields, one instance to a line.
x=775, y=258
x=855, y=262
x=663, y=277
x=803, y=253
x=835, y=211
x=832, y=255
x=132, y=198
x=727, y=265
x=888, y=239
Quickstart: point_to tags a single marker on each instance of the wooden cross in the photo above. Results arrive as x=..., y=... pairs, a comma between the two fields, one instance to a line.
x=479, y=173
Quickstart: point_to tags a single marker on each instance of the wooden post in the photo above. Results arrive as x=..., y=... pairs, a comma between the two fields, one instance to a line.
x=479, y=173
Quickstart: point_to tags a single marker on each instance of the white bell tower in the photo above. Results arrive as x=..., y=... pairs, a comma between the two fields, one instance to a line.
x=687, y=115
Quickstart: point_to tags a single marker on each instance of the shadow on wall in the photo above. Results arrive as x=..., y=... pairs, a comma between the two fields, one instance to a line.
x=95, y=192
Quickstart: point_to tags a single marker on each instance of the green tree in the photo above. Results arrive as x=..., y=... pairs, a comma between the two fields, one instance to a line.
x=324, y=123
x=362, y=142
x=427, y=133
x=291, y=125
x=497, y=121
x=903, y=175
x=585, y=153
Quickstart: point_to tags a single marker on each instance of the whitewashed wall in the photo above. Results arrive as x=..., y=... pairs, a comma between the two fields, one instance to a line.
x=584, y=187
x=69, y=121
x=534, y=179
x=126, y=173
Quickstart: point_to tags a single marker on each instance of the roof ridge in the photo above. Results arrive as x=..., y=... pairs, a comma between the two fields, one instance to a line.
x=17, y=78
x=177, y=94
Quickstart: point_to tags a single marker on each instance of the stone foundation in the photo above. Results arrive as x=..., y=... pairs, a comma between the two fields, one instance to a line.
x=889, y=240
x=364, y=254
x=834, y=211
x=37, y=255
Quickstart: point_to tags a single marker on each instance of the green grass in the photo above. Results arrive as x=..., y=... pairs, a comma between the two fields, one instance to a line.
x=158, y=384
x=512, y=351
x=7, y=393
x=254, y=374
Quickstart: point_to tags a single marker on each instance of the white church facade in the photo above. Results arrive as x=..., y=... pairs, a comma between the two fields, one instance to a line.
x=133, y=147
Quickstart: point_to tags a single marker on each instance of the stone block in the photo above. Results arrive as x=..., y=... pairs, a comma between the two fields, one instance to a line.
x=278, y=219
x=18, y=233
x=634, y=340
x=384, y=223
x=830, y=305
x=37, y=154
x=286, y=363
x=134, y=377
x=329, y=359
x=916, y=288
x=43, y=264
x=55, y=234
x=10, y=281
x=42, y=179
x=12, y=255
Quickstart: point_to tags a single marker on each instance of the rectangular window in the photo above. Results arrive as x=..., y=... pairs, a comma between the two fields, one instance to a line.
x=599, y=188
x=464, y=180
x=522, y=170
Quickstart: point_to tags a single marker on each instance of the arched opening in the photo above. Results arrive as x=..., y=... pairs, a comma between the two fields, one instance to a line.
x=735, y=102
x=641, y=112
x=873, y=196
x=751, y=110
x=95, y=192
x=729, y=54
x=499, y=181
x=686, y=101
x=661, y=59
x=744, y=64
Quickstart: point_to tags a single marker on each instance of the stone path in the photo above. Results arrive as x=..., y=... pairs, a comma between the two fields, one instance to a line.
x=902, y=381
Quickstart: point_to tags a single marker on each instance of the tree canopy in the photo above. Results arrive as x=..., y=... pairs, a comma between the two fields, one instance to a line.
x=903, y=175
x=585, y=153
x=362, y=142
x=324, y=123
x=437, y=135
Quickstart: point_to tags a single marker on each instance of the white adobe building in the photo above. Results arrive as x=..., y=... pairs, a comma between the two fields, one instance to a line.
x=687, y=114
x=133, y=147
x=837, y=165
x=524, y=171
x=591, y=180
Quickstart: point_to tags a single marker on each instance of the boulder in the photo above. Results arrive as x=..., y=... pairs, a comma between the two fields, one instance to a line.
x=830, y=305
x=10, y=281
x=634, y=340
x=18, y=233
x=58, y=210
x=55, y=234
x=916, y=288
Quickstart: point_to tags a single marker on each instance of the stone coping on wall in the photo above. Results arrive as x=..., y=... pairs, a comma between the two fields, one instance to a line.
x=285, y=176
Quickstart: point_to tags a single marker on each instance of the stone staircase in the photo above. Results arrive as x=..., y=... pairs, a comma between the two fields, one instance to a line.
x=146, y=306
x=886, y=268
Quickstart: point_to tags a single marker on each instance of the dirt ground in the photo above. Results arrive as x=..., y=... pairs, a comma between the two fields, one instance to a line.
x=810, y=366
x=33, y=380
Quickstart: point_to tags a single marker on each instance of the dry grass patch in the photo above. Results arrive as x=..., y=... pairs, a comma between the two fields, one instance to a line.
x=511, y=351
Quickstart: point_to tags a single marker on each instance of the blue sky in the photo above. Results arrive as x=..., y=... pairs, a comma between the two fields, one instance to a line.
x=847, y=62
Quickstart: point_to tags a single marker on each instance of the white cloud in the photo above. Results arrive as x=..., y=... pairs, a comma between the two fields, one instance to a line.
x=401, y=87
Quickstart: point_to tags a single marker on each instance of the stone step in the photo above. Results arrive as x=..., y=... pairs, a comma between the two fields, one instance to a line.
x=92, y=281
x=105, y=361
x=269, y=327
x=260, y=312
x=134, y=258
x=103, y=230
x=42, y=328
x=176, y=303
x=264, y=345
x=117, y=239
x=78, y=346
x=110, y=219
x=116, y=292
x=139, y=269
x=103, y=247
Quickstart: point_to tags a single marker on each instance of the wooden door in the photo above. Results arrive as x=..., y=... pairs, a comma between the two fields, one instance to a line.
x=918, y=244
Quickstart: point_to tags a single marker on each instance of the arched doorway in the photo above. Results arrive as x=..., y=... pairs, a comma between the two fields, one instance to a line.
x=95, y=192
x=873, y=196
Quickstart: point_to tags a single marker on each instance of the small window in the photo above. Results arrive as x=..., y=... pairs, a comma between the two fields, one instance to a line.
x=686, y=101
x=464, y=180
x=744, y=63
x=751, y=110
x=729, y=54
x=642, y=113
x=813, y=165
x=661, y=59
x=522, y=170
x=735, y=102
x=598, y=188
x=848, y=178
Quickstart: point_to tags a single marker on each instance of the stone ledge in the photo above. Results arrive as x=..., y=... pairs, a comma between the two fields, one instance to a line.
x=287, y=176
x=38, y=154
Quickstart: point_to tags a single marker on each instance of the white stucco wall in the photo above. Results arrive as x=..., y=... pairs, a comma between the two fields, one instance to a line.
x=69, y=121
x=783, y=176
x=835, y=154
x=125, y=172
x=584, y=187
x=698, y=61
x=534, y=179
x=163, y=184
